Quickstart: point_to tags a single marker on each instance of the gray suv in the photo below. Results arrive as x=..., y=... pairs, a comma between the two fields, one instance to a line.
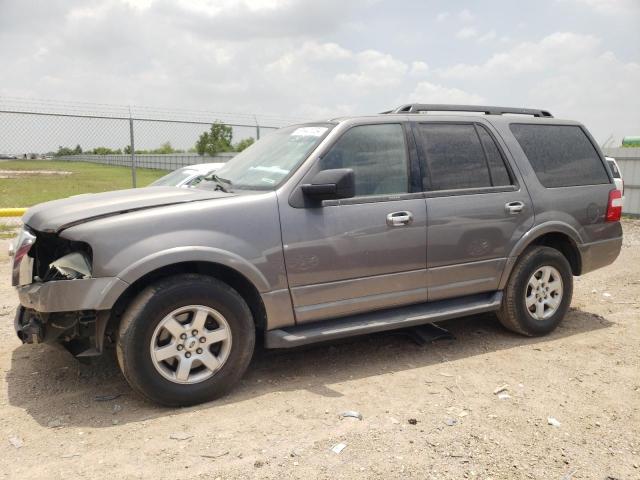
x=322, y=231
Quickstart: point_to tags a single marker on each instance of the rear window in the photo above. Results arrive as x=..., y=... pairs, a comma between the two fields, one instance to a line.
x=561, y=155
x=614, y=169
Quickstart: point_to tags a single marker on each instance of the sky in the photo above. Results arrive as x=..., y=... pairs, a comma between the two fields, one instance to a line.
x=580, y=59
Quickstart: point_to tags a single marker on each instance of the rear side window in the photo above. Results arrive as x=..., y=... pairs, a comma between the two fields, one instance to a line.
x=461, y=156
x=614, y=169
x=561, y=155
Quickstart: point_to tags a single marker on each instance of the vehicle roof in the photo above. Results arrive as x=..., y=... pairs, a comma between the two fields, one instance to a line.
x=446, y=112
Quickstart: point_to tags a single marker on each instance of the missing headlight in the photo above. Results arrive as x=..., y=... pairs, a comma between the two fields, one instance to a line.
x=71, y=267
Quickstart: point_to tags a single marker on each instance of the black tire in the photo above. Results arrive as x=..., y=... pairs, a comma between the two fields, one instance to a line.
x=513, y=313
x=147, y=310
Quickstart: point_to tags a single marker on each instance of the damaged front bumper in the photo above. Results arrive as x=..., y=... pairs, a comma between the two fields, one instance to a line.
x=59, y=299
x=72, y=312
x=72, y=295
x=81, y=333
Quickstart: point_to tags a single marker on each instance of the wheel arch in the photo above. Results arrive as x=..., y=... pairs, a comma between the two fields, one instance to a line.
x=560, y=236
x=235, y=279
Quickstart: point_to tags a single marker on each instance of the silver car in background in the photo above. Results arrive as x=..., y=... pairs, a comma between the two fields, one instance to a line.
x=187, y=176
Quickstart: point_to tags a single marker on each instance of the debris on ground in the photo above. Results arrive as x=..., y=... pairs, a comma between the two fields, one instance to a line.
x=70, y=455
x=451, y=421
x=569, y=475
x=504, y=396
x=106, y=398
x=500, y=389
x=351, y=414
x=116, y=408
x=412, y=421
x=16, y=442
x=338, y=447
x=180, y=436
x=215, y=455
x=552, y=421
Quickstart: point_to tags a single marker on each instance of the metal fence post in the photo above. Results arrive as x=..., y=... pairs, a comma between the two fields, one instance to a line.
x=257, y=128
x=133, y=151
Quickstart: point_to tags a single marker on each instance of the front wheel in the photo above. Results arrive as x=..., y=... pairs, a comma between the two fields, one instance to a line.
x=538, y=293
x=186, y=339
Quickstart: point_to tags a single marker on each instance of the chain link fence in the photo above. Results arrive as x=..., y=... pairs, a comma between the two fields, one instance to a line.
x=125, y=136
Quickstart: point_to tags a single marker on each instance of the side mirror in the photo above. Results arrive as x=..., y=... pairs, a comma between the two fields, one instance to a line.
x=331, y=185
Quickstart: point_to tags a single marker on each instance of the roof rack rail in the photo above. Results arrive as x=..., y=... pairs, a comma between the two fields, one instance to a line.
x=423, y=107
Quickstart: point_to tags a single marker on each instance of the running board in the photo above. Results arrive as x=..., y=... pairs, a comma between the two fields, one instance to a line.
x=382, y=320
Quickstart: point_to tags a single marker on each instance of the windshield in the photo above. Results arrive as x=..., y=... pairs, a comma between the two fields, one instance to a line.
x=266, y=163
x=174, y=178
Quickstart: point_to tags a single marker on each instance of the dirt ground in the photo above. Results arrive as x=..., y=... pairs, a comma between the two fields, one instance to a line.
x=283, y=420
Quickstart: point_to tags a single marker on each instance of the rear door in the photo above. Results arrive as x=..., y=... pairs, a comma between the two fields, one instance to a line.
x=477, y=206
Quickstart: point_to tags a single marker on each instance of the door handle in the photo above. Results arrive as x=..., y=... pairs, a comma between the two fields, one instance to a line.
x=514, y=208
x=399, y=219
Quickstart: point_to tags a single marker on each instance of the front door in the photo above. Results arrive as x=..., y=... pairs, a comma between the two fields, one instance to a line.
x=477, y=207
x=363, y=253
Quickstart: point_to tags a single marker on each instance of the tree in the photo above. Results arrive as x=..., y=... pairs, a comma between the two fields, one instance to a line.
x=104, y=151
x=77, y=150
x=216, y=140
x=242, y=144
x=63, y=151
x=164, y=149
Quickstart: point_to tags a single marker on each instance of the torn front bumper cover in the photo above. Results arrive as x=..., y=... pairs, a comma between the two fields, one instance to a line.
x=72, y=295
x=72, y=312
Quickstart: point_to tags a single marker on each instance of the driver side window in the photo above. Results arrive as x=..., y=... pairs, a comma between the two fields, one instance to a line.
x=378, y=156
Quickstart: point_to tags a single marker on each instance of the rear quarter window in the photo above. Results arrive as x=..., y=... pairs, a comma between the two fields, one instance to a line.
x=561, y=155
x=614, y=169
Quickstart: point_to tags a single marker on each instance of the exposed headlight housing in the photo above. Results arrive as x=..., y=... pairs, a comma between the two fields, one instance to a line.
x=22, y=267
x=72, y=266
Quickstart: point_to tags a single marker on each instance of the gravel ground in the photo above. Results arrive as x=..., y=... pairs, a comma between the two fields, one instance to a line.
x=428, y=411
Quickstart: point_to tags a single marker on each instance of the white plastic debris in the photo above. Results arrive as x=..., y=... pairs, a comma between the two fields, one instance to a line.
x=504, y=396
x=351, y=414
x=501, y=388
x=338, y=447
x=552, y=421
x=180, y=436
x=16, y=442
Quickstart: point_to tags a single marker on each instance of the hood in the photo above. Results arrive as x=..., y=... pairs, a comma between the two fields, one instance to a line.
x=57, y=215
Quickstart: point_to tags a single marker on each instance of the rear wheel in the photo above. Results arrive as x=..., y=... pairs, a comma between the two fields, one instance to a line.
x=538, y=293
x=185, y=340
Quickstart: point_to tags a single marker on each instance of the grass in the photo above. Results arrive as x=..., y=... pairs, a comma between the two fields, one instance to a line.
x=28, y=190
x=8, y=231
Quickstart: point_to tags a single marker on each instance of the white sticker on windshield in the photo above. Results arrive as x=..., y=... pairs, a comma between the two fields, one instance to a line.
x=309, y=131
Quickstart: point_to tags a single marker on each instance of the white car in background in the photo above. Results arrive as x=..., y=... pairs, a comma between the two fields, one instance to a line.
x=187, y=176
x=617, y=175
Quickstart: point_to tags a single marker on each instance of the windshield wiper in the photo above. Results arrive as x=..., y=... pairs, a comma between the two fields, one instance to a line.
x=220, y=182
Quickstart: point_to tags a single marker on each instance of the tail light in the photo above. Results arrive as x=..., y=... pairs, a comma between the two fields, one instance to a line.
x=614, y=206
